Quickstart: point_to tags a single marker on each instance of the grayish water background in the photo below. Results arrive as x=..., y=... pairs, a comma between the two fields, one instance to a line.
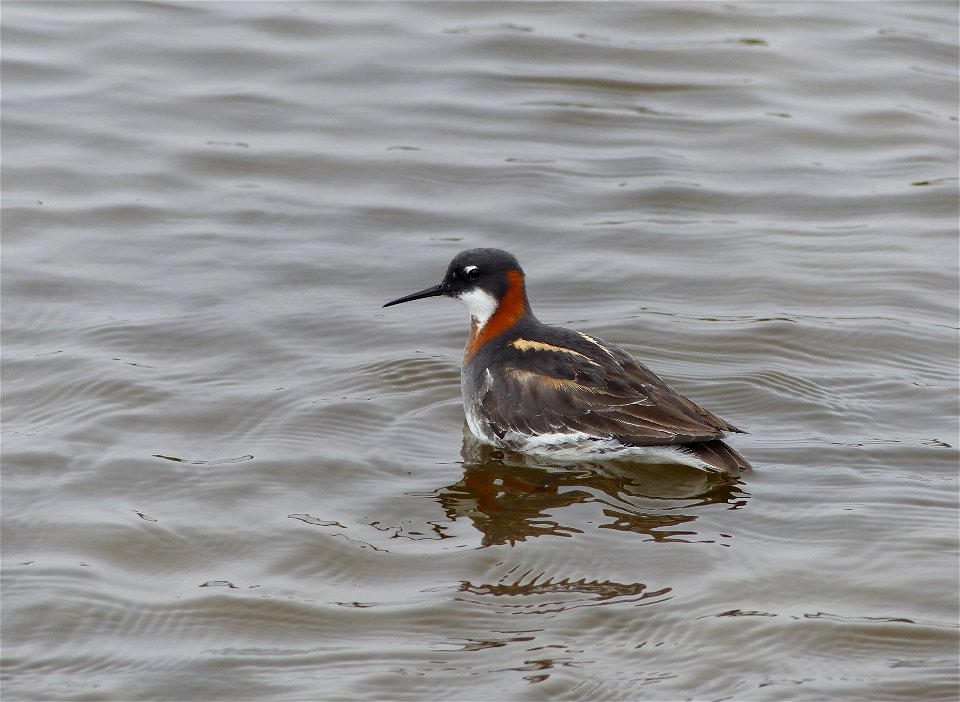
x=228, y=474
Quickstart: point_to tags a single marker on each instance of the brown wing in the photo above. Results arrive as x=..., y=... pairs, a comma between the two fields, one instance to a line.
x=605, y=393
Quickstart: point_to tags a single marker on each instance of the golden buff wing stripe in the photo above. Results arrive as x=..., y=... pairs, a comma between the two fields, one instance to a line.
x=557, y=383
x=528, y=345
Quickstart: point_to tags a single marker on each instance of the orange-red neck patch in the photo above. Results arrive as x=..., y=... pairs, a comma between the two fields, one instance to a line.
x=510, y=310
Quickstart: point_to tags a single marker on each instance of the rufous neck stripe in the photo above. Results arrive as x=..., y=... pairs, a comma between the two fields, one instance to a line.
x=512, y=307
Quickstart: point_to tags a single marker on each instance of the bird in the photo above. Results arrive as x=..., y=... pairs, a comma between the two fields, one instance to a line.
x=552, y=392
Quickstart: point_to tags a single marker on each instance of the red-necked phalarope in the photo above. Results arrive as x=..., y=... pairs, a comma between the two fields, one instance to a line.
x=540, y=389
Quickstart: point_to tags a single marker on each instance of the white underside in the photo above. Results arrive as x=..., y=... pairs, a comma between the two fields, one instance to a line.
x=577, y=446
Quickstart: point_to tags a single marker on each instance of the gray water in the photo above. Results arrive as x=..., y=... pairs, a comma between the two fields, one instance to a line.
x=228, y=474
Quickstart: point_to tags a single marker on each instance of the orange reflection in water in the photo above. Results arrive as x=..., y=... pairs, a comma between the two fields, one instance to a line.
x=511, y=497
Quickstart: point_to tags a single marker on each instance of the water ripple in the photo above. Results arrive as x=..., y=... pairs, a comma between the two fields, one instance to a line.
x=229, y=474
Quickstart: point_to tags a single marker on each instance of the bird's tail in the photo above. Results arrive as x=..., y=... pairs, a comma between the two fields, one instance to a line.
x=720, y=456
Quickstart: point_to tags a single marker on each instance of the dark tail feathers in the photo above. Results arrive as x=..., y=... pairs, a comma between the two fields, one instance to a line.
x=720, y=456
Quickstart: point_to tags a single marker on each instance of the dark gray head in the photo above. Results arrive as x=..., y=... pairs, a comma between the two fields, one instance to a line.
x=481, y=279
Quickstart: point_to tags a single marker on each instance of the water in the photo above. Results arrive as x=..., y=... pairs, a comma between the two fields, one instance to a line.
x=228, y=474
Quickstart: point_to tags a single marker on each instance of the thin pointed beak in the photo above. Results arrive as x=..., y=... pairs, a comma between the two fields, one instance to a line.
x=439, y=289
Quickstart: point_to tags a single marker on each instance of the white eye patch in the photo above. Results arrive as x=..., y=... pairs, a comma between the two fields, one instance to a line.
x=468, y=269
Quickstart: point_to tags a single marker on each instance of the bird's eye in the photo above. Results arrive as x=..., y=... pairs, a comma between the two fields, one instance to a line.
x=472, y=272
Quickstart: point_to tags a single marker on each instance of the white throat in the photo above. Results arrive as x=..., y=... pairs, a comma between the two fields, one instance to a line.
x=480, y=304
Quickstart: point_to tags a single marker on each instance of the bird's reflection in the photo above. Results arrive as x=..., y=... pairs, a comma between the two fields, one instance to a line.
x=511, y=497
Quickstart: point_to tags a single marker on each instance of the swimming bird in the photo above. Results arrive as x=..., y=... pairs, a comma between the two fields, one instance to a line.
x=546, y=390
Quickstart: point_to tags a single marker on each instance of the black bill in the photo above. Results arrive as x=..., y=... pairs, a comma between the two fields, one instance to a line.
x=434, y=291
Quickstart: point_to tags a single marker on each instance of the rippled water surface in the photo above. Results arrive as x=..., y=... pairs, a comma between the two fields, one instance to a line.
x=228, y=474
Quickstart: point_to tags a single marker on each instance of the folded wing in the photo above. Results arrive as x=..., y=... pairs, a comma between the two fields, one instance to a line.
x=598, y=390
